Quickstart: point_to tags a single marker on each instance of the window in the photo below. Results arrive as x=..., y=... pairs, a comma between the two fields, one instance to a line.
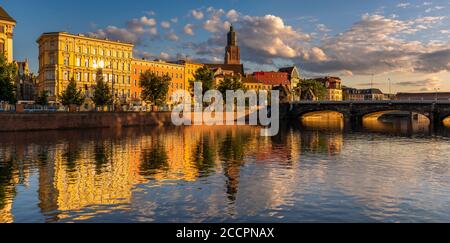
x=52, y=59
x=86, y=62
x=66, y=75
x=66, y=61
x=86, y=77
x=78, y=62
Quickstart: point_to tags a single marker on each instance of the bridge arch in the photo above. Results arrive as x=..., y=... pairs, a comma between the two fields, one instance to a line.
x=366, y=114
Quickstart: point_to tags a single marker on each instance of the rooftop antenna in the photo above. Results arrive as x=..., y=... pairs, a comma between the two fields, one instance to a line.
x=371, y=82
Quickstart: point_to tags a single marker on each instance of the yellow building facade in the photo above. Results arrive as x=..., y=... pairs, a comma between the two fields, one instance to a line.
x=7, y=24
x=190, y=70
x=63, y=56
x=176, y=73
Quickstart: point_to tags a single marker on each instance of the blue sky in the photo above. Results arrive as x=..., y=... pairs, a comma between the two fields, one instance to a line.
x=405, y=41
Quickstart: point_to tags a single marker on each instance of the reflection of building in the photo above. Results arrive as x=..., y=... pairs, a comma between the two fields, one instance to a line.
x=160, y=68
x=423, y=96
x=63, y=56
x=7, y=24
x=334, y=88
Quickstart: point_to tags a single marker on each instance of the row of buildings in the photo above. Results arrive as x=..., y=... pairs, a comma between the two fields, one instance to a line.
x=64, y=56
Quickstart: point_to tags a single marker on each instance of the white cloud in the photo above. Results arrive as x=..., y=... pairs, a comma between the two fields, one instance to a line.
x=403, y=5
x=165, y=24
x=135, y=30
x=374, y=45
x=215, y=23
x=232, y=15
x=188, y=29
x=197, y=14
x=429, y=84
x=171, y=35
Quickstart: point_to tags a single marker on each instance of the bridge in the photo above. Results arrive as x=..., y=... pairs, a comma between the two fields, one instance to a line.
x=354, y=111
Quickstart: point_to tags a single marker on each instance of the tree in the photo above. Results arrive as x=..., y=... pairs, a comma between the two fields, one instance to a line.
x=71, y=95
x=205, y=76
x=318, y=88
x=154, y=88
x=8, y=74
x=102, y=92
x=43, y=98
x=230, y=83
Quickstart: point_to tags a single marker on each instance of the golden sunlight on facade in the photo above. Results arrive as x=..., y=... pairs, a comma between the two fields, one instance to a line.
x=63, y=56
x=175, y=71
x=7, y=24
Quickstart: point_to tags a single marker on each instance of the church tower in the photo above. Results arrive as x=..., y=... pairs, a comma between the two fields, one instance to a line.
x=232, y=51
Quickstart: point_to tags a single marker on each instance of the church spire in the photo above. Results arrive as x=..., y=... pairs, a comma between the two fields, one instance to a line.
x=232, y=53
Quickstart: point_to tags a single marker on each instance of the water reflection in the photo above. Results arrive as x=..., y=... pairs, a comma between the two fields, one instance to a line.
x=309, y=172
x=323, y=120
x=396, y=123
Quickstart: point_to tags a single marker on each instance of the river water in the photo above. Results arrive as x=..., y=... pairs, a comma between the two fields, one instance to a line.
x=313, y=171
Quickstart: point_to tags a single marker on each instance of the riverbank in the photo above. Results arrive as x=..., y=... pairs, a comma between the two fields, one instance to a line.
x=14, y=122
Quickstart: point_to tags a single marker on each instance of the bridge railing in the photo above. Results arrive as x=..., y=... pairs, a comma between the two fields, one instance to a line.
x=384, y=102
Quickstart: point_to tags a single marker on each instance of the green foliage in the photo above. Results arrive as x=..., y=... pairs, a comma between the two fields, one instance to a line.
x=318, y=88
x=154, y=88
x=42, y=99
x=205, y=76
x=102, y=92
x=230, y=83
x=71, y=95
x=8, y=74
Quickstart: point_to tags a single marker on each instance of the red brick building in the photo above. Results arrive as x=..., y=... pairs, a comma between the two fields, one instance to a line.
x=272, y=78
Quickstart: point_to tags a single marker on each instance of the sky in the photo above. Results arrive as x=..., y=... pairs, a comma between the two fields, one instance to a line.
x=397, y=46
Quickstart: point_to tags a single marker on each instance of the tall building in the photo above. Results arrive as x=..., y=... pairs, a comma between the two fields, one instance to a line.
x=7, y=24
x=232, y=65
x=232, y=51
x=175, y=71
x=63, y=56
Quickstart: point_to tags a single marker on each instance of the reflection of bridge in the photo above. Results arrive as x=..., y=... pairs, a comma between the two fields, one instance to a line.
x=354, y=111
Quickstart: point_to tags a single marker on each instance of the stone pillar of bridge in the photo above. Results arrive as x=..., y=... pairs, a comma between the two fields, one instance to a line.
x=435, y=120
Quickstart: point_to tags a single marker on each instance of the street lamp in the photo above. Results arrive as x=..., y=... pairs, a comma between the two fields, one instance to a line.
x=437, y=91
